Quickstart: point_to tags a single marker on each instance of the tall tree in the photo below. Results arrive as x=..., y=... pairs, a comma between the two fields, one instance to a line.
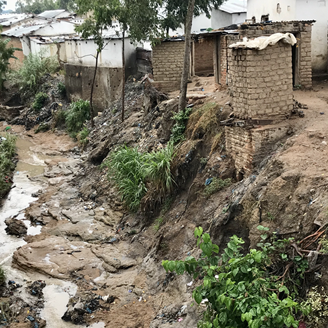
x=138, y=19
x=2, y=4
x=35, y=6
x=94, y=29
x=177, y=13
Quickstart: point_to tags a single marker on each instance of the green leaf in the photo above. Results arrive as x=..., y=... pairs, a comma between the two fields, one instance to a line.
x=261, y=228
x=171, y=266
x=197, y=296
x=223, y=317
x=258, y=257
x=198, y=231
x=235, y=272
x=229, y=252
x=180, y=267
x=206, y=238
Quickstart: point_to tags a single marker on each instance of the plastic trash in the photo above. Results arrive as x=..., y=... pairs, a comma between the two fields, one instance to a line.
x=7, y=128
x=208, y=181
x=322, y=113
x=180, y=319
x=189, y=284
x=29, y=317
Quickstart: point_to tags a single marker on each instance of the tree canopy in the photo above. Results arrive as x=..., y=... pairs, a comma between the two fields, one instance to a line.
x=175, y=11
x=38, y=6
x=2, y=4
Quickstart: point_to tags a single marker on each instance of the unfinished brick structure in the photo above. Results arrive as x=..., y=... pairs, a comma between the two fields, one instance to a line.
x=260, y=83
x=301, y=53
x=167, y=59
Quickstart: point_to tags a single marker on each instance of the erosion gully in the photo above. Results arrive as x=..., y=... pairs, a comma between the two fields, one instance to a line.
x=28, y=179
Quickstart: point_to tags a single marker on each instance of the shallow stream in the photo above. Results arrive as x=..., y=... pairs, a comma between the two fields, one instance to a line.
x=28, y=179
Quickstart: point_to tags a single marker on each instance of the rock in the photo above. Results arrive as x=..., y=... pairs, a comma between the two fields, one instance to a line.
x=109, y=268
x=15, y=227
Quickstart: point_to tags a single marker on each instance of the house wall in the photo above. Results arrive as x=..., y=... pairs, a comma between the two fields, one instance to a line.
x=220, y=19
x=239, y=18
x=78, y=80
x=291, y=10
x=82, y=52
x=261, y=82
x=167, y=59
x=203, y=50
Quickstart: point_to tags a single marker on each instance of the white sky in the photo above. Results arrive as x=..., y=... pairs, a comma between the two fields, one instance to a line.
x=10, y=4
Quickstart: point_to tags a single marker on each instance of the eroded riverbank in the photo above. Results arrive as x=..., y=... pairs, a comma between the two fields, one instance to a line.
x=29, y=182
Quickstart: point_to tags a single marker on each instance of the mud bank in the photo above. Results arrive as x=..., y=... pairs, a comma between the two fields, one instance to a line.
x=28, y=183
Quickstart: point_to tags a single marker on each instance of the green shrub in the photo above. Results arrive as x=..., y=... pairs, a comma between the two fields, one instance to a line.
x=61, y=89
x=240, y=290
x=82, y=137
x=216, y=185
x=127, y=171
x=39, y=101
x=29, y=76
x=43, y=127
x=76, y=115
x=132, y=171
x=157, y=167
x=7, y=153
x=179, y=127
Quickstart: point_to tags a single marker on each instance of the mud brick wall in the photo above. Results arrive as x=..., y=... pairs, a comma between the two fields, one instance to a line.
x=168, y=59
x=261, y=82
x=248, y=147
x=203, y=56
x=301, y=30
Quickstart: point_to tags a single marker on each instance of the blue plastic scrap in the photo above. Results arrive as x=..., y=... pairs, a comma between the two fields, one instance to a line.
x=208, y=181
x=29, y=317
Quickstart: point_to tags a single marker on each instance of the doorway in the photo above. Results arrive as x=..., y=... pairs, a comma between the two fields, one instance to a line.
x=296, y=63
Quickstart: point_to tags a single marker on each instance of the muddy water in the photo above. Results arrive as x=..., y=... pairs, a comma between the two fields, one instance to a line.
x=28, y=179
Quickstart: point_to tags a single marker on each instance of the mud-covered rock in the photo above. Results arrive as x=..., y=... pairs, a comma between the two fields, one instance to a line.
x=15, y=227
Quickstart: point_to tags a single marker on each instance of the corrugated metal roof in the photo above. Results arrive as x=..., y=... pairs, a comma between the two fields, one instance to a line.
x=234, y=6
x=7, y=20
x=18, y=32
x=51, y=13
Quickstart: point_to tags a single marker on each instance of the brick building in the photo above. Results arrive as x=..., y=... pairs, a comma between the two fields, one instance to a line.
x=261, y=86
x=209, y=53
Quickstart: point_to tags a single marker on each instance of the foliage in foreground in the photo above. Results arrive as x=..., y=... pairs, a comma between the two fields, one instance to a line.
x=76, y=115
x=132, y=172
x=29, y=76
x=7, y=153
x=241, y=290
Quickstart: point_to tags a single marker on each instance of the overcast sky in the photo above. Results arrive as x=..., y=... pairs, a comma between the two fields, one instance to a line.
x=10, y=4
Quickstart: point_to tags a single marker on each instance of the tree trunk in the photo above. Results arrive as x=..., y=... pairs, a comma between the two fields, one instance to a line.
x=123, y=73
x=186, y=65
x=91, y=94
